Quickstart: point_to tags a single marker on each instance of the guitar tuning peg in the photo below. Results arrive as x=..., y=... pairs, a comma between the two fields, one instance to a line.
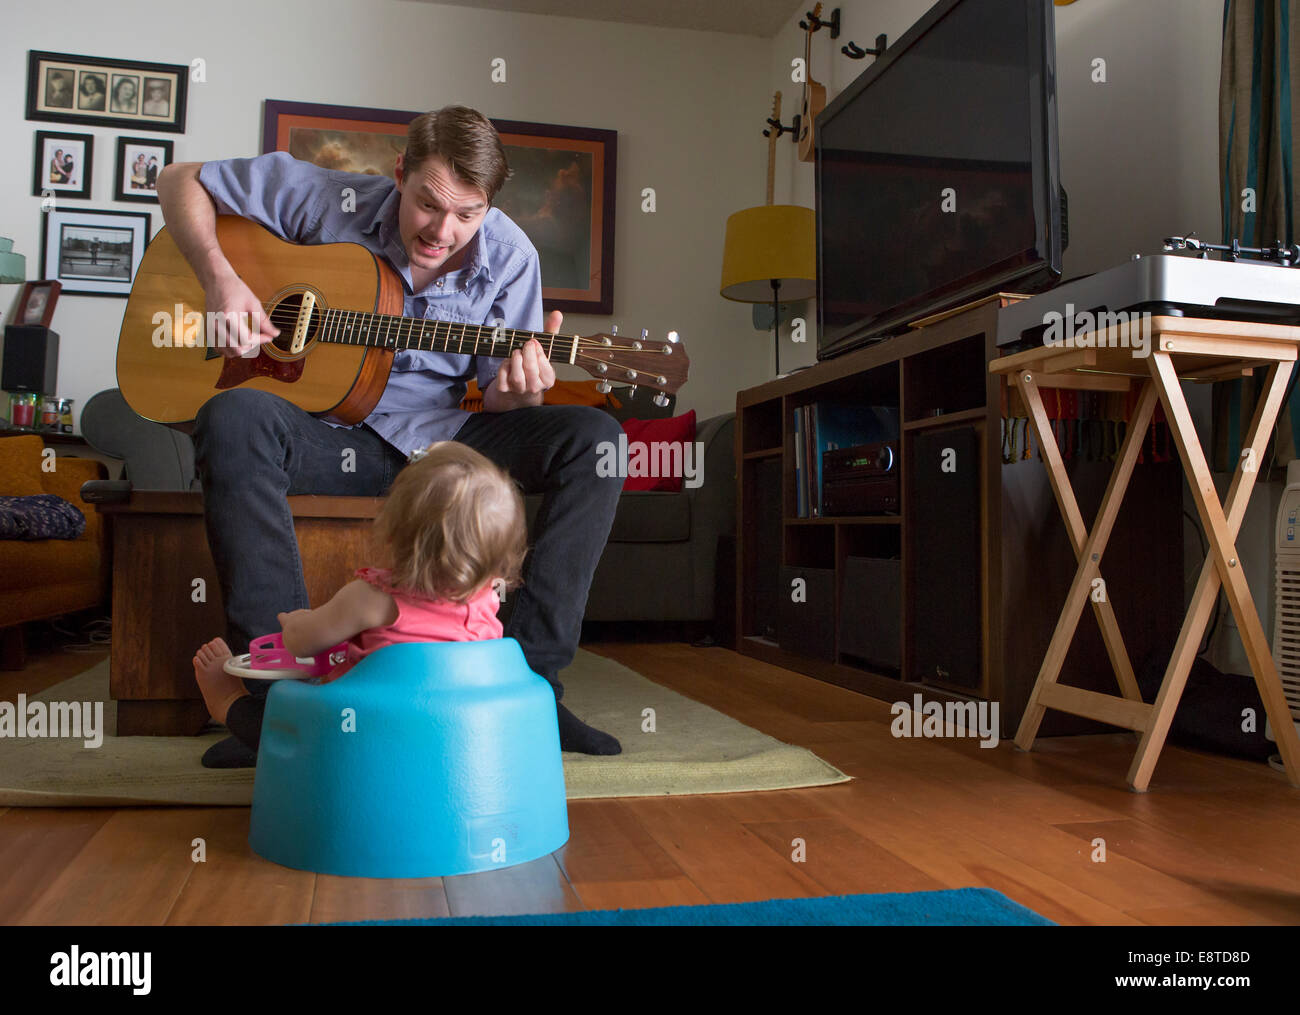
x=660, y=400
x=603, y=387
x=614, y=330
x=645, y=333
x=672, y=336
x=631, y=391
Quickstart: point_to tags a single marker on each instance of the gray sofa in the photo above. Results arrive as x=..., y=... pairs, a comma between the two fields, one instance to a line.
x=660, y=560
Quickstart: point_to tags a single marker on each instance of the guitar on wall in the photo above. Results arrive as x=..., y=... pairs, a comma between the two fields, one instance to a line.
x=339, y=311
x=814, y=93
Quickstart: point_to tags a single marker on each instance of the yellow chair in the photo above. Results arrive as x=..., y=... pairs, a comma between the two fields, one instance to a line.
x=47, y=577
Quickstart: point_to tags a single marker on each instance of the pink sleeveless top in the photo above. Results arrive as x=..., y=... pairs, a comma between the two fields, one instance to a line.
x=422, y=619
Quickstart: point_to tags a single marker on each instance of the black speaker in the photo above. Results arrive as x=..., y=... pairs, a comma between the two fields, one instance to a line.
x=943, y=535
x=870, y=610
x=31, y=359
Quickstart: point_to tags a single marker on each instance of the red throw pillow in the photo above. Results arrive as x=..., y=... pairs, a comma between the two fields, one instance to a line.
x=646, y=458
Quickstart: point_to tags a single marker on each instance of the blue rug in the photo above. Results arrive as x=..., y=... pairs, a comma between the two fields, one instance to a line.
x=960, y=907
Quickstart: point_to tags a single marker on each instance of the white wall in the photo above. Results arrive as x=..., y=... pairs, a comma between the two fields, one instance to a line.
x=673, y=96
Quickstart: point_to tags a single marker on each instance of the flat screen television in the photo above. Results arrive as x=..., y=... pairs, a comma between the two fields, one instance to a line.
x=938, y=173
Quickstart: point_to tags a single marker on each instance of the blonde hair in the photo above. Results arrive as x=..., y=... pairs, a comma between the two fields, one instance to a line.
x=452, y=521
x=464, y=139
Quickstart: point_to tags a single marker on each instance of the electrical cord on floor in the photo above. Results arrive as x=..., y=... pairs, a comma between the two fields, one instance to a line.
x=97, y=632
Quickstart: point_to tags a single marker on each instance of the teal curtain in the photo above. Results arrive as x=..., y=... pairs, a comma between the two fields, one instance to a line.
x=1259, y=122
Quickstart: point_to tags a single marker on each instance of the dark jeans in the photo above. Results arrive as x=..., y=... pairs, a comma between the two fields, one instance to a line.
x=253, y=449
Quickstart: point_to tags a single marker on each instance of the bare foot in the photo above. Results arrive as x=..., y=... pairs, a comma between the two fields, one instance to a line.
x=220, y=689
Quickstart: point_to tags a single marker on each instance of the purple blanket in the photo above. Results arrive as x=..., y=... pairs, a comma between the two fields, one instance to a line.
x=43, y=516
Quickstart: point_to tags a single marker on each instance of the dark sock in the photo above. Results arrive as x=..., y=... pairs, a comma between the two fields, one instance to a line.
x=229, y=753
x=244, y=719
x=576, y=735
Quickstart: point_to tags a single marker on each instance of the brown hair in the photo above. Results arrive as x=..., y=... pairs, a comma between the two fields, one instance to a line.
x=452, y=521
x=464, y=139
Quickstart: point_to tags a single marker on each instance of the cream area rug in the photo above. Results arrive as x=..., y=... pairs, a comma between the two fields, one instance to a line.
x=695, y=749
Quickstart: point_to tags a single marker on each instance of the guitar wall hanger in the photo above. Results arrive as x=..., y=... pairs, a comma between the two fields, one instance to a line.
x=857, y=52
x=814, y=23
x=781, y=128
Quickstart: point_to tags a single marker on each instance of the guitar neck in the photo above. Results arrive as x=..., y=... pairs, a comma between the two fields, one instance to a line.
x=386, y=331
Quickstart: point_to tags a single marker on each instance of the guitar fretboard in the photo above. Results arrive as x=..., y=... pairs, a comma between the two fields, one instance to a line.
x=385, y=331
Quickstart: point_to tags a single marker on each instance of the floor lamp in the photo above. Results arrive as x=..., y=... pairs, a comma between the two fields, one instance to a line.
x=770, y=252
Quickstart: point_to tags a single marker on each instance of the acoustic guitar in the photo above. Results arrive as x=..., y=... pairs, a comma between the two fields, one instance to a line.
x=814, y=95
x=339, y=311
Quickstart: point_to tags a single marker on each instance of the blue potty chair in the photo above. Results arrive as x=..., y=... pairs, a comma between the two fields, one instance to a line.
x=424, y=760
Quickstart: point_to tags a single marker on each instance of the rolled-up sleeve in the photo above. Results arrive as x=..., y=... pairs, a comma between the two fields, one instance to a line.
x=283, y=194
x=518, y=304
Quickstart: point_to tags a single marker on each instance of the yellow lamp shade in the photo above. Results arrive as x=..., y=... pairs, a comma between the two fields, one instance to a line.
x=775, y=241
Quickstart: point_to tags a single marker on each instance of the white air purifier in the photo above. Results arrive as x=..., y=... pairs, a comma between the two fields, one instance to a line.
x=1286, y=591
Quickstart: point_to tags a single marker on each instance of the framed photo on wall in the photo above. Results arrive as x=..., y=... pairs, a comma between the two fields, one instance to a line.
x=93, y=252
x=36, y=304
x=561, y=193
x=139, y=161
x=106, y=92
x=63, y=164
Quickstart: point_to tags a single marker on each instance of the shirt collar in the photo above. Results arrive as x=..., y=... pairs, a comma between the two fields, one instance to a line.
x=385, y=226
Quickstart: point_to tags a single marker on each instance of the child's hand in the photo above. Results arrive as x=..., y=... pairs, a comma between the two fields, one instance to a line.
x=284, y=618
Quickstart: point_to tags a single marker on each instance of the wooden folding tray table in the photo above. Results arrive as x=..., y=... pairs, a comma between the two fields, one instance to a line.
x=1180, y=349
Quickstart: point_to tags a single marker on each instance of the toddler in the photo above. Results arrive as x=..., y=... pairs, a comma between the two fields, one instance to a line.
x=454, y=532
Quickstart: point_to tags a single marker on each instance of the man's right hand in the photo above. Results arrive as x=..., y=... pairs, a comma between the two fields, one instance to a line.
x=240, y=322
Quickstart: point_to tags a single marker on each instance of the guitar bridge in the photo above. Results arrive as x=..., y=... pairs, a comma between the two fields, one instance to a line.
x=303, y=323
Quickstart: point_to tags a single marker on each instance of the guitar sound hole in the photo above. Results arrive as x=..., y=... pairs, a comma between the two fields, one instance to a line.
x=284, y=315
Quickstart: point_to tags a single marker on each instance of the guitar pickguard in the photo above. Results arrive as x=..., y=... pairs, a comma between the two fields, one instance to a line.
x=235, y=371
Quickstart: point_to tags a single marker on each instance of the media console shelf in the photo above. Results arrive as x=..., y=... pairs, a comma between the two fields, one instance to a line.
x=938, y=600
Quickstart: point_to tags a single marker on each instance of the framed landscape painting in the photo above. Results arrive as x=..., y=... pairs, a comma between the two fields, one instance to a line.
x=561, y=192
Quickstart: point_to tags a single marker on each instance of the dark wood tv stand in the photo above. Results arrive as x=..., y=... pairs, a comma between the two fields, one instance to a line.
x=938, y=378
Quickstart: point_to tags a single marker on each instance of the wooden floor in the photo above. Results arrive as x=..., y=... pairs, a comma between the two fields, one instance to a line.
x=1214, y=842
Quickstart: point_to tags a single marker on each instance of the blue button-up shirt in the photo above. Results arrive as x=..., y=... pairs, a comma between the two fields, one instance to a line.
x=500, y=279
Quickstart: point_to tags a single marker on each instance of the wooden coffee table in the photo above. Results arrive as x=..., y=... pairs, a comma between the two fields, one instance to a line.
x=167, y=600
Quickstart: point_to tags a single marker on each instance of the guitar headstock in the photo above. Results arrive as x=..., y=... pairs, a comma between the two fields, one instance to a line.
x=638, y=362
x=815, y=16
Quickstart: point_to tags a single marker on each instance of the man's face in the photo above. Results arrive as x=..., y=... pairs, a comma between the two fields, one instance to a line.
x=438, y=215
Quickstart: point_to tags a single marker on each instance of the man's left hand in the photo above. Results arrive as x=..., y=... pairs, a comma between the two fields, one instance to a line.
x=525, y=375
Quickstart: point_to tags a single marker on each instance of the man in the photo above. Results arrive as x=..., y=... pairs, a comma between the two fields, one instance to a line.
x=459, y=259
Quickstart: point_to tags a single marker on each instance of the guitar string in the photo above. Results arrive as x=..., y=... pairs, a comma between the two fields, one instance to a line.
x=289, y=319
x=583, y=343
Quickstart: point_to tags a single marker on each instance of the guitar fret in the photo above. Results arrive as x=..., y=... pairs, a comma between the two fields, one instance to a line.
x=359, y=327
